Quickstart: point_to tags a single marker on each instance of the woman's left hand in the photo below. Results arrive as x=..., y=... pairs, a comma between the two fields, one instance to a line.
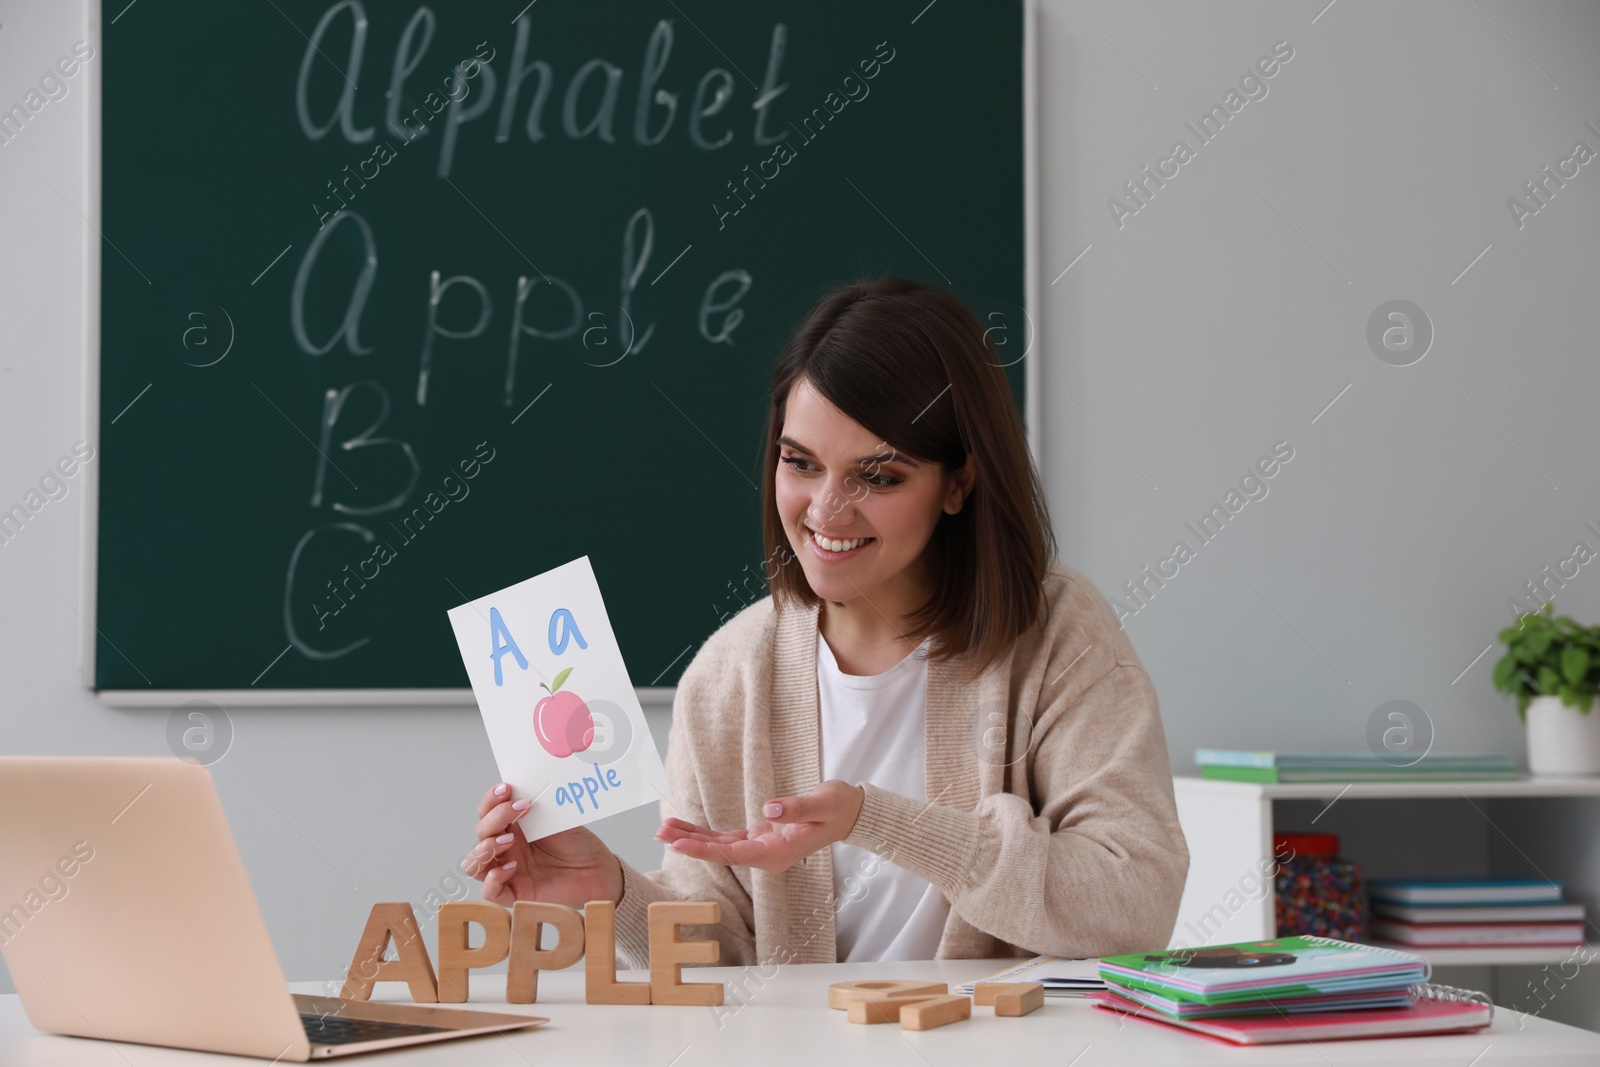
x=794, y=828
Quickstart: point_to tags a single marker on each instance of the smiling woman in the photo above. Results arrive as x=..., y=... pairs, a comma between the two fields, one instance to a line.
x=930, y=740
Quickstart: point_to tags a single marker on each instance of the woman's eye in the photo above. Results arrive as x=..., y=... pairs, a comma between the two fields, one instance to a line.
x=877, y=481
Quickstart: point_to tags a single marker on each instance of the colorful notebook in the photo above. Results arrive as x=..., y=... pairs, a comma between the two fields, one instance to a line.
x=1394, y=997
x=1261, y=970
x=1426, y=891
x=1456, y=935
x=1439, y=1009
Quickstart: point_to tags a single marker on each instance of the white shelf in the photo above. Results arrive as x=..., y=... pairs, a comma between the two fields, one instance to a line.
x=1520, y=825
x=1519, y=787
x=1491, y=954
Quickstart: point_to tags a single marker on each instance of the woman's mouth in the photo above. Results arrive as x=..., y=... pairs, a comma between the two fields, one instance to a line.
x=833, y=550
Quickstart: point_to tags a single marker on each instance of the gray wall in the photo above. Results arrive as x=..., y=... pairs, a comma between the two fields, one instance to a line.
x=1232, y=309
x=1221, y=318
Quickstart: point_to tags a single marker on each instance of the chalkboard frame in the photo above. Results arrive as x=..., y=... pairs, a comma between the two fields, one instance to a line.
x=653, y=698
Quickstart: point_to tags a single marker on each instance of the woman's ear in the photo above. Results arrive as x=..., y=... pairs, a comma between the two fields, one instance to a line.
x=959, y=485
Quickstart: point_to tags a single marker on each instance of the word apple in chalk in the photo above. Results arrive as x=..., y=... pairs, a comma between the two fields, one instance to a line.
x=562, y=721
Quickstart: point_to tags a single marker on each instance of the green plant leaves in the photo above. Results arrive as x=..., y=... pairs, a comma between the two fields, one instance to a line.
x=1549, y=680
x=559, y=679
x=1506, y=672
x=1574, y=665
x=1549, y=655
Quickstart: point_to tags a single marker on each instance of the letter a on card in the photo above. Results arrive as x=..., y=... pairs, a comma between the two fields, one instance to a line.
x=568, y=713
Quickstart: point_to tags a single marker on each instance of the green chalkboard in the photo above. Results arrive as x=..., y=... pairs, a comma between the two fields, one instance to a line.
x=401, y=305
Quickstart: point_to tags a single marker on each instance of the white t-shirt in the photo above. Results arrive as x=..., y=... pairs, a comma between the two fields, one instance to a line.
x=872, y=731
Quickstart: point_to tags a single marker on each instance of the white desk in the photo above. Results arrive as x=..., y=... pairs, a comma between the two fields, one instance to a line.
x=784, y=1020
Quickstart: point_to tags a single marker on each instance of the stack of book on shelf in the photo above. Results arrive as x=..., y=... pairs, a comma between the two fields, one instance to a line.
x=1436, y=913
x=1288, y=989
x=1236, y=765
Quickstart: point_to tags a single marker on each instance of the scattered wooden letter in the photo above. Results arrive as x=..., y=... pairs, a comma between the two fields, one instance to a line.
x=528, y=959
x=600, y=959
x=669, y=952
x=914, y=1005
x=842, y=994
x=1019, y=999
x=886, y=1007
x=413, y=966
x=983, y=993
x=932, y=1012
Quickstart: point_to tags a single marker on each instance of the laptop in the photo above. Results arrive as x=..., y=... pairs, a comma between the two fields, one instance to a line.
x=126, y=915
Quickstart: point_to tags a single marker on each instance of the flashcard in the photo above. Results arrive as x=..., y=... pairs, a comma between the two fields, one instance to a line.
x=563, y=719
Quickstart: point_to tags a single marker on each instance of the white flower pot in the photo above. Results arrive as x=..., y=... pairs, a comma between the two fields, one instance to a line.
x=1562, y=739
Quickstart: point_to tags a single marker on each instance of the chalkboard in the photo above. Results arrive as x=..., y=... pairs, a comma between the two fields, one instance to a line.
x=401, y=305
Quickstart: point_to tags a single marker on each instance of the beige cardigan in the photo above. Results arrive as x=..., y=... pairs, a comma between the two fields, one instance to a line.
x=1051, y=828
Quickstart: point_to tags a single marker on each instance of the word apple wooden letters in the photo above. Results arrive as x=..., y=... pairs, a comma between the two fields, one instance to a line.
x=516, y=935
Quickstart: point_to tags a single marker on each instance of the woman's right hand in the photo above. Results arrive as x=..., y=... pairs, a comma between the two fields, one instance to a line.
x=571, y=868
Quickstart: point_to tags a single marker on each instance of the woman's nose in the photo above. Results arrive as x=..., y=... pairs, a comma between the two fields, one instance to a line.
x=834, y=505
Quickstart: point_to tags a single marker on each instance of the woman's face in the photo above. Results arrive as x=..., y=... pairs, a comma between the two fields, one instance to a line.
x=836, y=479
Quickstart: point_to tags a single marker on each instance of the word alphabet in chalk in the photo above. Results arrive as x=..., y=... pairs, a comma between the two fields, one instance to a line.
x=589, y=935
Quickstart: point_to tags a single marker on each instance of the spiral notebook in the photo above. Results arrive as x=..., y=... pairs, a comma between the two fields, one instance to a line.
x=1437, y=1009
x=1265, y=970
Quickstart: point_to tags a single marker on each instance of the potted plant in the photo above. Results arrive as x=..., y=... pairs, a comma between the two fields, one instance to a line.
x=1552, y=664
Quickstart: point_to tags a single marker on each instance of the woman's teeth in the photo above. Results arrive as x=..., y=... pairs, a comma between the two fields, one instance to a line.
x=837, y=546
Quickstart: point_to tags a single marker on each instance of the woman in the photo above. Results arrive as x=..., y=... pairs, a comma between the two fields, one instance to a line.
x=930, y=740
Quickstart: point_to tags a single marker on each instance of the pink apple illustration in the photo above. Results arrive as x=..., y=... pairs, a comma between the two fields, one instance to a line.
x=562, y=721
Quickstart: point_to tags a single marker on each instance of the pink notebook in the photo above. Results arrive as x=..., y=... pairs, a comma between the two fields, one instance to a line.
x=1438, y=1010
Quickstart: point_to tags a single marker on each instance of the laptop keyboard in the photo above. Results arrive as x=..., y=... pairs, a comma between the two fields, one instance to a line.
x=340, y=1030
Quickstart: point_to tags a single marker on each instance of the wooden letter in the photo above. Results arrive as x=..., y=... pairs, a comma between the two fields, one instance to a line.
x=985, y=993
x=527, y=958
x=669, y=952
x=600, y=959
x=413, y=966
x=884, y=1007
x=933, y=1012
x=1019, y=999
x=455, y=957
x=842, y=994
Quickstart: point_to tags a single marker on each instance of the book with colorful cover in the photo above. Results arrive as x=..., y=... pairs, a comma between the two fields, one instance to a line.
x=1438, y=1009
x=1422, y=892
x=1261, y=970
x=1395, y=997
x=1461, y=935
x=1428, y=914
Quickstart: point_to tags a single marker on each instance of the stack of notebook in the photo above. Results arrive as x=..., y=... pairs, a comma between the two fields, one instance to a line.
x=1234, y=765
x=1434, y=913
x=1288, y=989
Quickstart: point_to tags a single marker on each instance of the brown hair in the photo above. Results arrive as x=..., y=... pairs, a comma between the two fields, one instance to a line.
x=912, y=364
